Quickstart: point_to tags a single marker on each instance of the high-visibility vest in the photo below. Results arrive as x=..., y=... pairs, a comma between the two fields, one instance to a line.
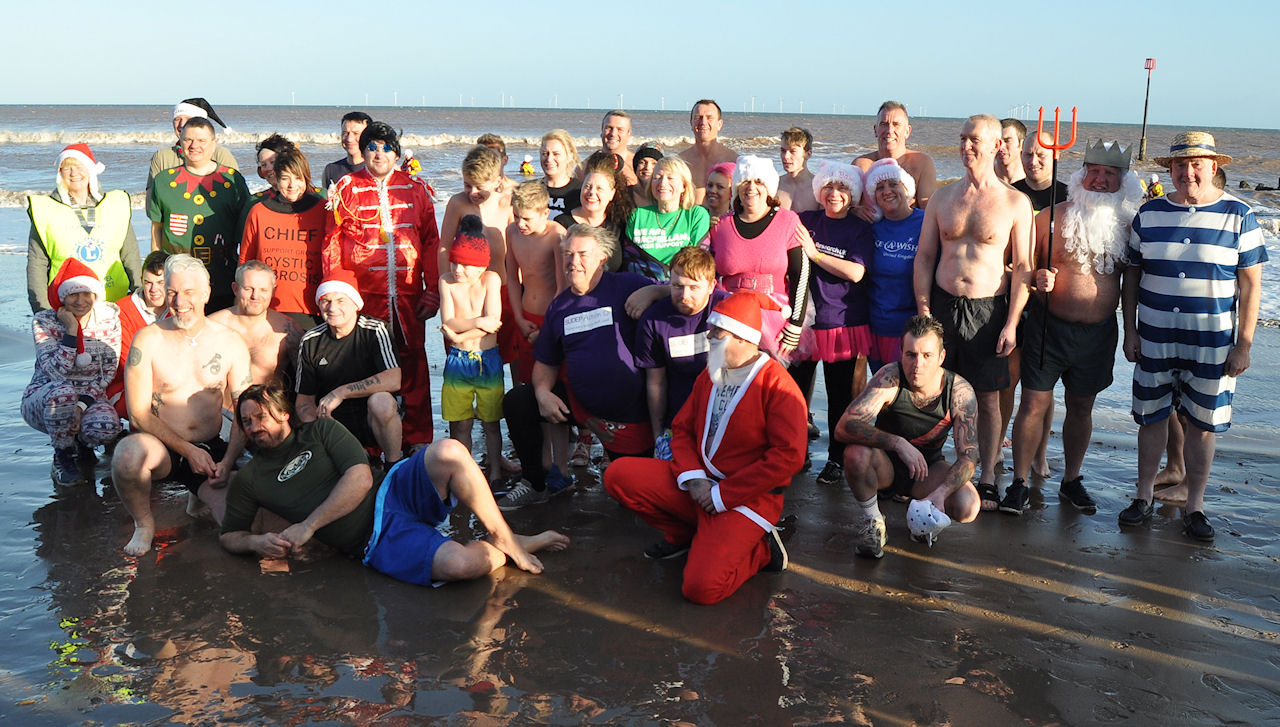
x=63, y=235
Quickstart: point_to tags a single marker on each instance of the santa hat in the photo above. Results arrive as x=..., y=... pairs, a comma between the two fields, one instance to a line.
x=739, y=314
x=470, y=246
x=846, y=174
x=193, y=107
x=75, y=277
x=82, y=154
x=340, y=280
x=759, y=169
x=887, y=169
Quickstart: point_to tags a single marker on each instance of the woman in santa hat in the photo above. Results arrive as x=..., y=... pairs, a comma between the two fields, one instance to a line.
x=77, y=352
x=77, y=220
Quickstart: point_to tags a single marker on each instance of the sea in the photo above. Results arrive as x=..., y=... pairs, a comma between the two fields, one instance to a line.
x=190, y=635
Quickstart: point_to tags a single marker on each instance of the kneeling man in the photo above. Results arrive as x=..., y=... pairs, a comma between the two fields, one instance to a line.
x=317, y=477
x=736, y=444
x=896, y=429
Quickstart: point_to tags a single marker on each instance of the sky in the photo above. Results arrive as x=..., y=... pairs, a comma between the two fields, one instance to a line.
x=941, y=58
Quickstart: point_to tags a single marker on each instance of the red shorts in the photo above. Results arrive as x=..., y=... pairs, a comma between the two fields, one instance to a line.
x=524, y=350
x=616, y=437
x=509, y=335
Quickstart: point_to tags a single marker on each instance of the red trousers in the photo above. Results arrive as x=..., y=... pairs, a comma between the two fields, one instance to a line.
x=725, y=549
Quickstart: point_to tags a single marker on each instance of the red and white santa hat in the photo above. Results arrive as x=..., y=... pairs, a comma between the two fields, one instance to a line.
x=74, y=277
x=739, y=314
x=340, y=280
x=82, y=154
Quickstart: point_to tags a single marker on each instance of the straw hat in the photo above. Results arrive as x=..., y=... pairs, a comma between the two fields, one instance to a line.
x=1193, y=144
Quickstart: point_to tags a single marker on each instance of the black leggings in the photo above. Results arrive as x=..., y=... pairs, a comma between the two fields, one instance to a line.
x=839, y=378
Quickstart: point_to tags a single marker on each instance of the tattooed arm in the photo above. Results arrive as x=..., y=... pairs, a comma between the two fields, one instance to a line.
x=857, y=425
x=964, y=426
x=388, y=381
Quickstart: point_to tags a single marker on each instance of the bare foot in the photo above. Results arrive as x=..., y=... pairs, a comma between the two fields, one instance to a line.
x=548, y=540
x=509, y=467
x=141, y=541
x=1170, y=476
x=1172, y=494
x=1006, y=443
x=1041, y=469
x=195, y=507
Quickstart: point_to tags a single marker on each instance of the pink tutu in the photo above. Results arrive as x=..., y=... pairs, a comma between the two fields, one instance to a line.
x=886, y=349
x=841, y=344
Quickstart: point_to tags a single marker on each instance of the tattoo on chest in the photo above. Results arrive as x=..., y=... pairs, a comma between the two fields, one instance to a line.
x=156, y=402
x=215, y=364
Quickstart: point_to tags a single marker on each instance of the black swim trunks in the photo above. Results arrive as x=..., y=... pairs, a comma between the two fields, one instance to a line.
x=180, y=468
x=972, y=330
x=903, y=484
x=1081, y=354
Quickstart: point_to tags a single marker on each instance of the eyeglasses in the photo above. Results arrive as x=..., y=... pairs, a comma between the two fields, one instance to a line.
x=373, y=146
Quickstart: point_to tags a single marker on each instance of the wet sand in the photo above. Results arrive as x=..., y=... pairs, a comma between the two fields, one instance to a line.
x=1051, y=618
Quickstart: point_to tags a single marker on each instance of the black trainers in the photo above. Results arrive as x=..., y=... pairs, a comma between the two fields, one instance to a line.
x=1016, y=497
x=832, y=474
x=662, y=550
x=1138, y=512
x=778, y=560
x=66, y=468
x=1196, y=526
x=1074, y=493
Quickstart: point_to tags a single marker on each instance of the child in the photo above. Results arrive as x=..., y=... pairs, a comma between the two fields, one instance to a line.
x=534, y=267
x=470, y=310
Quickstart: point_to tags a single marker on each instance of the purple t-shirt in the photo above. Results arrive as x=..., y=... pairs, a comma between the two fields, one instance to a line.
x=591, y=336
x=667, y=338
x=892, y=296
x=839, y=303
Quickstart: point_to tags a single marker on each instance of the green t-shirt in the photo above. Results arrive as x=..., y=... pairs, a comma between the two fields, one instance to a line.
x=293, y=479
x=663, y=234
x=200, y=215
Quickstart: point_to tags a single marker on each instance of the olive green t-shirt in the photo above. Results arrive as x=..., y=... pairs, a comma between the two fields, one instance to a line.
x=292, y=480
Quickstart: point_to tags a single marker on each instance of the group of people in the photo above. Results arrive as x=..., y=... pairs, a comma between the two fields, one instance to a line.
x=672, y=307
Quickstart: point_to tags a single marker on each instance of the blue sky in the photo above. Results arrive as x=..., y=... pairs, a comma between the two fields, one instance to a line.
x=943, y=59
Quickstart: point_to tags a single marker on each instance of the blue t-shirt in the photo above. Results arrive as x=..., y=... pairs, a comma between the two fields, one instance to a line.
x=667, y=338
x=893, y=300
x=839, y=303
x=592, y=336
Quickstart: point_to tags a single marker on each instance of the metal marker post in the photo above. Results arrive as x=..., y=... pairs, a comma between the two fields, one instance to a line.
x=1150, y=65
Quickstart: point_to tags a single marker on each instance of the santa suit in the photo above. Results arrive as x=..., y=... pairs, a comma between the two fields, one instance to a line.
x=386, y=234
x=750, y=463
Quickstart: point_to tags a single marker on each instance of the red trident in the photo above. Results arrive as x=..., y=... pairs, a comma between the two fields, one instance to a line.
x=1056, y=147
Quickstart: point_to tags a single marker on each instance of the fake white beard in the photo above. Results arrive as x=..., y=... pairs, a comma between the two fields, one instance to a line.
x=1096, y=226
x=716, y=359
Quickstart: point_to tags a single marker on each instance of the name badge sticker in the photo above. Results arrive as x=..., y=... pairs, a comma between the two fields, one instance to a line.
x=588, y=320
x=689, y=345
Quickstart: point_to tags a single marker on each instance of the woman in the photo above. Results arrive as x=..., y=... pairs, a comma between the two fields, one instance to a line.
x=758, y=248
x=286, y=230
x=646, y=157
x=839, y=245
x=893, y=192
x=719, y=196
x=660, y=230
x=77, y=353
x=559, y=157
x=604, y=201
x=78, y=220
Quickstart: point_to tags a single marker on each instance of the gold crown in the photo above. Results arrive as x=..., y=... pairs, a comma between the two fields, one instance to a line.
x=1108, y=154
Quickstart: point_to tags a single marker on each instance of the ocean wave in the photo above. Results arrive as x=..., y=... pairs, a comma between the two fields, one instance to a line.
x=10, y=198
x=13, y=249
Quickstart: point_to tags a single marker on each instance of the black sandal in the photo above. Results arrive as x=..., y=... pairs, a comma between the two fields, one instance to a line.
x=988, y=493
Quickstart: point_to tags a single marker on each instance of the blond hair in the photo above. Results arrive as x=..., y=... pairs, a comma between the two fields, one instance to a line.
x=676, y=165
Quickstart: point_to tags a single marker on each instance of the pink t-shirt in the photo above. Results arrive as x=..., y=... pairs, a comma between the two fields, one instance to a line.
x=764, y=255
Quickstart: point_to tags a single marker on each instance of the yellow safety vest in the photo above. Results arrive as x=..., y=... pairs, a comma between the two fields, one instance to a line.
x=59, y=228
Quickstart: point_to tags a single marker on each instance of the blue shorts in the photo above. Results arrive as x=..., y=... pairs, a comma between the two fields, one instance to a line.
x=405, y=516
x=473, y=385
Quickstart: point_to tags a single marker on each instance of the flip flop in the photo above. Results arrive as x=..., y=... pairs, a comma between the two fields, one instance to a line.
x=989, y=494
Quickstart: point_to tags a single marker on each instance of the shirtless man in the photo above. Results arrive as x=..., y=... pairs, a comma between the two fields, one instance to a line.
x=795, y=188
x=180, y=371
x=706, y=121
x=967, y=233
x=272, y=337
x=534, y=268
x=1009, y=158
x=615, y=138
x=892, y=130
x=1082, y=285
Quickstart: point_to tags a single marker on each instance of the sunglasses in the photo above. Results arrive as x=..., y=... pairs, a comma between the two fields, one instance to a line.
x=373, y=146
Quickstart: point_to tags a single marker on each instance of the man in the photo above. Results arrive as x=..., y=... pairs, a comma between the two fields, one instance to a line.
x=266, y=151
x=351, y=127
x=706, y=121
x=348, y=370
x=316, y=477
x=180, y=370
x=1082, y=288
x=892, y=129
x=137, y=311
x=1191, y=297
x=386, y=232
x=795, y=188
x=671, y=339
x=736, y=445
x=170, y=157
x=272, y=337
x=973, y=225
x=1009, y=159
x=588, y=334
x=1038, y=183
x=615, y=138
x=896, y=429
x=196, y=209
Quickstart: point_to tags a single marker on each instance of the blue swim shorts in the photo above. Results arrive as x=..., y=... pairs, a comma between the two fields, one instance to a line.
x=406, y=513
